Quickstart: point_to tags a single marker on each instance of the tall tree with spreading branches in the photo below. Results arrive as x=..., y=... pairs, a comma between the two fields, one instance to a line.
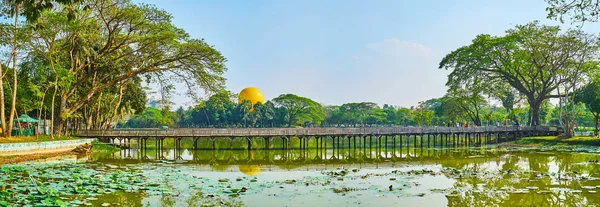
x=534, y=59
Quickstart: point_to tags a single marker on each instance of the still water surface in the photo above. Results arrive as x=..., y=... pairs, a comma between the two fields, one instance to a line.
x=481, y=176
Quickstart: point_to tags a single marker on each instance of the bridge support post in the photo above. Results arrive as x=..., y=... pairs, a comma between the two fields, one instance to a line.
x=447, y=139
x=385, y=144
x=468, y=139
x=364, y=142
x=429, y=141
x=249, y=143
x=498, y=138
x=401, y=143
x=319, y=143
x=195, y=143
x=145, y=140
x=370, y=142
x=377, y=144
x=481, y=139
x=394, y=145
x=267, y=143
x=349, y=142
x=212, y=143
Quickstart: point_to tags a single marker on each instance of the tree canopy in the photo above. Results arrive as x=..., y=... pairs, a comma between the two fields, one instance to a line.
x=590, y=96
x=299, y=109
x=577, y=10
x=536, y=60
x=112, y=42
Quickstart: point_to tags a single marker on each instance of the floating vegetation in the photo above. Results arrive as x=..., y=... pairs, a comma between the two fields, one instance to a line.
x=565, y=174
x=72, y=184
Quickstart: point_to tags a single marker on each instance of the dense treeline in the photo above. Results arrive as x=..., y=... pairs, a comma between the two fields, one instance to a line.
x=222, y=110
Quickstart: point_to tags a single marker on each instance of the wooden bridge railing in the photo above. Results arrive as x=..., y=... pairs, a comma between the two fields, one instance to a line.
x=269, y=132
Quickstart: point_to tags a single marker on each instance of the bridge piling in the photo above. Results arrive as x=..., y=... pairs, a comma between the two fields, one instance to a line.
x=429, y=141
x=249, y=143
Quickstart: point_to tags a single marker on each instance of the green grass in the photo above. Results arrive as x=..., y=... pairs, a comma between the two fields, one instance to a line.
x=554, y=141
x=41, y=138
x=100, y=146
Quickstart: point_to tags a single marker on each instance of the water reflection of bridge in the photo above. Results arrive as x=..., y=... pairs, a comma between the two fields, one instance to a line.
x=337, y=138
x=301, y=156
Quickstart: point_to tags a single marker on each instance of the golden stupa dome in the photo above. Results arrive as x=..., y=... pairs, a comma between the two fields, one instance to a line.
x=253, y=95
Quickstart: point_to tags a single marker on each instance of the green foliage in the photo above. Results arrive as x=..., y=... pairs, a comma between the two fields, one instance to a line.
x=300, y=110
x=589, y=95
x=100, y=146
x=533, y=59
x=423, y=116
x=151, y=118
x=220, y=110
x=466, y=103
x=577, y=10
x=102, y=49
x=554, y=141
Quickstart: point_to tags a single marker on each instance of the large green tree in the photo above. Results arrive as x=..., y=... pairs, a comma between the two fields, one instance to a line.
x=470, y=104
x=362, y=113
x=113, y=41
x=530, y=58
x=299, y=109
x=422, y=115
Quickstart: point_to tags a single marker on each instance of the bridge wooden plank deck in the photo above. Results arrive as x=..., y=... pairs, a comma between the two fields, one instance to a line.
x=336, y=138
x=299, y=132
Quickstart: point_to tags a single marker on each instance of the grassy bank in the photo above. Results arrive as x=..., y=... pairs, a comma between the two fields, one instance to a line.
x=41, y=138
x=554, y=141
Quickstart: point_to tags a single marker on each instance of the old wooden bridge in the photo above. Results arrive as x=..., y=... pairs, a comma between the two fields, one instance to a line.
x=337, y=137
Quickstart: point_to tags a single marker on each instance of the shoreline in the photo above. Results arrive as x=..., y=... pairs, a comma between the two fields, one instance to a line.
x=47, y=147
x=14, y=159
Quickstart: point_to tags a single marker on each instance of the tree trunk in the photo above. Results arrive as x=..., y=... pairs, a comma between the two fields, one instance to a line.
x=40, y=113
x=13, y=104
x=291, y=120
x=534, y=108
x=116, y=107
x=45, y=122
x=596, y=119
x=62, y=118
x=2, y=105
x=88, y=114
x=54, y=130
x=97, y=113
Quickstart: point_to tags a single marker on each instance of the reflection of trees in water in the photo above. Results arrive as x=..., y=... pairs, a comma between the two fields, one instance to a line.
x=167, y=201
x=570, y=163
x=121, y=198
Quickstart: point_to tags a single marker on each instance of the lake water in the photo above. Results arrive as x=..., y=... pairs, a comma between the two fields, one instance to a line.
x=476, y=176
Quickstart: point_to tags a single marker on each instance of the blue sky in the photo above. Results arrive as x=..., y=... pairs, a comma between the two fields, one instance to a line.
x=337, y=51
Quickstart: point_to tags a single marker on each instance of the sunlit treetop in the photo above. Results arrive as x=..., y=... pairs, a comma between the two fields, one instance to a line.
x=32, y=9
x=578, y=10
